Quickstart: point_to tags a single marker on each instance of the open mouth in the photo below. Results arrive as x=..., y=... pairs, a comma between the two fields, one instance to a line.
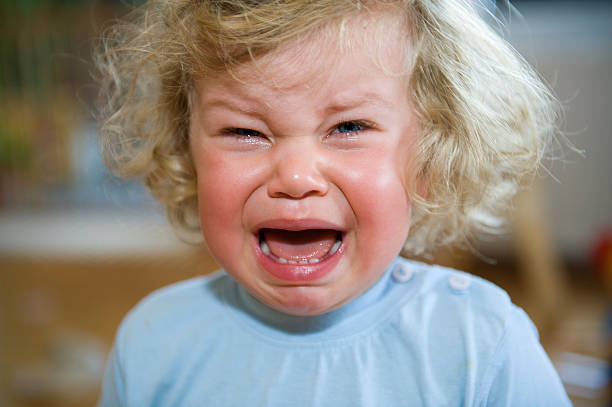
x=310, y=246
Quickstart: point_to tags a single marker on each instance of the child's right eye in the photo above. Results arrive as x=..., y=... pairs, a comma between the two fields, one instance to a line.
x=243, y=133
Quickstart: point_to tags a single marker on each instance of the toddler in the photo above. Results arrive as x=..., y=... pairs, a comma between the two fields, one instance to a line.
x=309, y=143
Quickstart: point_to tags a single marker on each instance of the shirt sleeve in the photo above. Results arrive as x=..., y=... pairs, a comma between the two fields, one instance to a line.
x=112, y=394
x=521, y=374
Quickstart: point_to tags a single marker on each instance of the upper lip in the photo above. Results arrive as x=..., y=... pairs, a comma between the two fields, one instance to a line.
x=297, y=224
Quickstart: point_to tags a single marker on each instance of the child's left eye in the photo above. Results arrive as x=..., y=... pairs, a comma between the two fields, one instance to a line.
x=351, y=126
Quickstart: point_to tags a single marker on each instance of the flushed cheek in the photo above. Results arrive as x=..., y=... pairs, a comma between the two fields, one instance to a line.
x=384, y=202
x=383, y=222
x=224, y=184
x=227, y=179
x=381, y=208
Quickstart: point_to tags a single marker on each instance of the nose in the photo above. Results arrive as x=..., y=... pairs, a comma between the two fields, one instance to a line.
x=297, y=174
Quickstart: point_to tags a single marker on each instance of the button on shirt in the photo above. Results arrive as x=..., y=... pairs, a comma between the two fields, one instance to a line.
x=421, y=336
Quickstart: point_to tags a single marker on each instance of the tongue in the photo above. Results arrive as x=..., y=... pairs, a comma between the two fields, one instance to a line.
x=297, y=245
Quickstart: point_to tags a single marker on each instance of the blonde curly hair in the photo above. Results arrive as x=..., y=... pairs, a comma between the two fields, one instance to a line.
x=485, y=116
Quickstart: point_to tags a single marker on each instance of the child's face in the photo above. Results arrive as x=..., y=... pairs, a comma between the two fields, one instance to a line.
x=302, y=170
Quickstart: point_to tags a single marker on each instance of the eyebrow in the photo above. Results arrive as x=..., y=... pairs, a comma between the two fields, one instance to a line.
x=339, y=105
x=233, y=106
x=369, y=98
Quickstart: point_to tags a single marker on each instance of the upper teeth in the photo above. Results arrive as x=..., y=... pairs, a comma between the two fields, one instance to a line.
x=266, y=250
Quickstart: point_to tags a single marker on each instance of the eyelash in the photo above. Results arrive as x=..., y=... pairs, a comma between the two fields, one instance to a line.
x=242, y=132
x=363, y=125
x=251, y=134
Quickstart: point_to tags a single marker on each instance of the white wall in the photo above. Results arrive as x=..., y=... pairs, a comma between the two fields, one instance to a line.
x=571, y=45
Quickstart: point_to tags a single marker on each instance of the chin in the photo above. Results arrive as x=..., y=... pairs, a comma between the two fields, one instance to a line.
x=303, y=301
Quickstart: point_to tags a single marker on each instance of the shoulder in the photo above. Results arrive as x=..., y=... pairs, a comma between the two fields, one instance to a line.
x=520, y=372
x=195, y=292
x=173, y=327
x=470, y=325
x=453, y=293
x=445, y=303
x=458, y=320
x=177, y=307
x=186, y=291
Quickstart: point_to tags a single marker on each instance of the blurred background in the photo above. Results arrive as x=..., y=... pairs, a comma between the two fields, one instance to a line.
x=79, y=247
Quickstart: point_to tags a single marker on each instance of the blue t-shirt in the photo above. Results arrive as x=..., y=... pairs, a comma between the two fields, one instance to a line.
x=421, y=336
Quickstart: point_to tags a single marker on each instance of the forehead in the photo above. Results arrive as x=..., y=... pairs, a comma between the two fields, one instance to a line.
x=373, y=40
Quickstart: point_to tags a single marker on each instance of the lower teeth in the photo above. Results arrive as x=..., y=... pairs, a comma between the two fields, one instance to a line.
x=335, y=247
x=266, y=250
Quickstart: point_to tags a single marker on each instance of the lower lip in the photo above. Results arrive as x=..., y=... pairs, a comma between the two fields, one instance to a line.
x=296, y=273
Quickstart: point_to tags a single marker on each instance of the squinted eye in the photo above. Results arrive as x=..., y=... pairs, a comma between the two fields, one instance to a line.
x=350, y=127
x=248, y=133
